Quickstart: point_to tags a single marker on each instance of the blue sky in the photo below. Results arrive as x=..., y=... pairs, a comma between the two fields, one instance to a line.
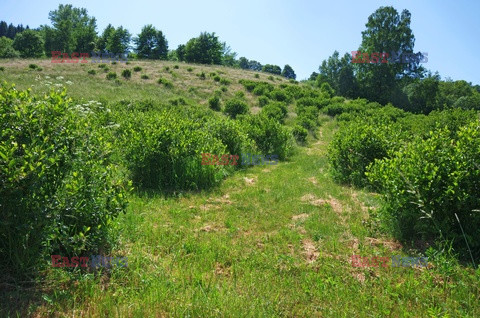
x=300, y=33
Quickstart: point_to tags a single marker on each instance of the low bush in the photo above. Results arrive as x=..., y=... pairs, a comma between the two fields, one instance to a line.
x=214, y=103
x=269, y=135
x=165, y=82
x=216, y=78
x=111, y=76
x=127, y=73
x=263, y=100
x=300, y=133
x=235, y=106
x=430, y=180
x=225, y=81
x=137, y=69
x=144, y=76
x=275, y=110
x=355, y=146
x=59, y=188
x=92, y=72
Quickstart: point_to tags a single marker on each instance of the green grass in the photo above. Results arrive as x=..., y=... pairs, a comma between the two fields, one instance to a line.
x=270, y=241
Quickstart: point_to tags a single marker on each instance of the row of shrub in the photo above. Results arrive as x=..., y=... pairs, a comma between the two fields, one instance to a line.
x=427, y=168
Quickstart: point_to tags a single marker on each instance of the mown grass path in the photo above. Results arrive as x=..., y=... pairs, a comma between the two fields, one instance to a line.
x=271, y=241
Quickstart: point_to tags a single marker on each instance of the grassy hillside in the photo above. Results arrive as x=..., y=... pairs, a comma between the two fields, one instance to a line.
x=273, y=240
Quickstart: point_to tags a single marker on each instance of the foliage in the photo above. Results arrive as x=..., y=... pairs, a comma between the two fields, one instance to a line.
x=235, y=106
x=428, y=181
x=29, y=43
x=165, y=82
x=151, y=43
x=111, y=75
x=273, y=69
x=275, y=110
x=300, y=133
x=356, y=146
x=137, y=69
x=59, y=188
x=288, y=72
x=269, y=135
x=6, y=48
x=214, y=103
x=205, y=49
x=126, y=73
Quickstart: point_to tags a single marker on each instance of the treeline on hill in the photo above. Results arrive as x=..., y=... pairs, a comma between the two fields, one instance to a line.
x=73, y=30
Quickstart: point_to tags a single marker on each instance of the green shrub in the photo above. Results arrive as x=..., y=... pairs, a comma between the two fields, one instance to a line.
x=223, y=89
x=355, y=146
x=165, y=82
x=127, y=73
x=279, y=95
x=176, y=67
x=235, y=106
x=214, y=103
x=225, y=81
x=216, y=78
x=137, y=69
x=202, y=75
x=92, y=72
x=177, y=101
x=189, y=69
x=231, y=133
x=271, y=78
x=102, y=66
x=2, y=68
x=33, y=66
x=213, y=74
x=275, y=110
x=428, y=181
x=127, y=63
x=263, y=100
x=300, y=133
x=111, y=75
x=106, y=69
x=257, y=76
x=269, y=135
x=114, y=62
x=144, y=76
x=59, y=188
x=249, y=85
x=163, y=151
x=166, y=68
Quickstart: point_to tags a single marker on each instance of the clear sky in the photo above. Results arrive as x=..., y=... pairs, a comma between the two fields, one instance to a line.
x=298, y=32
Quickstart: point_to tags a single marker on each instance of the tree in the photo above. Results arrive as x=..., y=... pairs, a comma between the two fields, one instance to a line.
x=151, y=44
x=29, y=43
x=243, y=63
x=3, y=28
x=73, y=30
x=11, y=31
x=386, y=31
x=288, y=72
x=255, y=66
x=313, y=76
x=181, y=52
x=103, y=39
x=205, y=49
x=228, y=57
x=6, y=48
x=274, y=69
x=422, y=95
x=118, y=40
